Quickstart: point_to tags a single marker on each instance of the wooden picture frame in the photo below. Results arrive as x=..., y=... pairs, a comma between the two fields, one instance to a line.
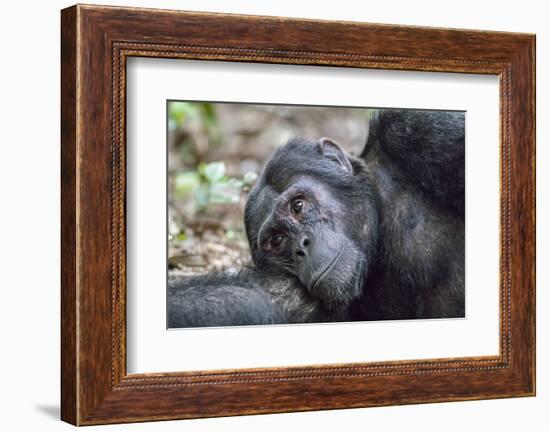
x=95, y=43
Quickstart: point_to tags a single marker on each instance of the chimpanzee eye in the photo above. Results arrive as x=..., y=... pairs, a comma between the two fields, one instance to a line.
x=277, y=240
x=297, y=206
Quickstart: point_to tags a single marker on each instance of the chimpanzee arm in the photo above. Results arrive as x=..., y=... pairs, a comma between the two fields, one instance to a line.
x=223, y=305
x=249, y=297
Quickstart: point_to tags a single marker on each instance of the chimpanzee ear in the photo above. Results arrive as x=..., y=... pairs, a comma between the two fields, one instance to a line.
x=333, y=151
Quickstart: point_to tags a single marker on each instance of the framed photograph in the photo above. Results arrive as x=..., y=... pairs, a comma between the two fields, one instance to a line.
x=264, y=214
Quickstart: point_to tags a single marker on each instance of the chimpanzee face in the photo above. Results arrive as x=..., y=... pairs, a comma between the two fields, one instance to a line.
x=307, y=224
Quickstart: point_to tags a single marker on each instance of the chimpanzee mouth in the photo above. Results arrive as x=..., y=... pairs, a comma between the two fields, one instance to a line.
x=327, y=269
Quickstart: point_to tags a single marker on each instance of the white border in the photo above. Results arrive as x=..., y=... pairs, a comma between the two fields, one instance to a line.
x=152, y=348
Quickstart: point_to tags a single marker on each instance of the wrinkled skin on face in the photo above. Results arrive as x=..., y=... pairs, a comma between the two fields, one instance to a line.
x=308, y=217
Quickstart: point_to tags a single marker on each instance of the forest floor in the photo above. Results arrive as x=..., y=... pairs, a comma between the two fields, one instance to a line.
x=208, y=249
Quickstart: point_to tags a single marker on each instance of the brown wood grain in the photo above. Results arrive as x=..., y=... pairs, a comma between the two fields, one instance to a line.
x=69, y=365
x=95, y=42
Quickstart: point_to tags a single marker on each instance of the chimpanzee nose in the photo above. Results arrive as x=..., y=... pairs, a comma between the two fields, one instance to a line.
x=302, y=245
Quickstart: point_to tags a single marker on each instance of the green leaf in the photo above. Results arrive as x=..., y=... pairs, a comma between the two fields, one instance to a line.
x=202, y=196
x=208, y=112
x=201, y=168
x=225, y=193
x=173, y=228
x=187, y=182
x=233, y=183
x=250, y=177
x=214, y=172
x=178, y=111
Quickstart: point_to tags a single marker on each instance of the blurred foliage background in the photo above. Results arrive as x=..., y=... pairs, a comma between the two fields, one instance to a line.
x=215, y=153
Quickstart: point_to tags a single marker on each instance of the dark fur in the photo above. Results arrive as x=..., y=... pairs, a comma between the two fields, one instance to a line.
x=398, y=212
x=249, y=297
x=427, y=147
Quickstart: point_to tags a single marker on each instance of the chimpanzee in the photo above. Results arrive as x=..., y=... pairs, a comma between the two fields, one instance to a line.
x=334, y=237
x=249, y=297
